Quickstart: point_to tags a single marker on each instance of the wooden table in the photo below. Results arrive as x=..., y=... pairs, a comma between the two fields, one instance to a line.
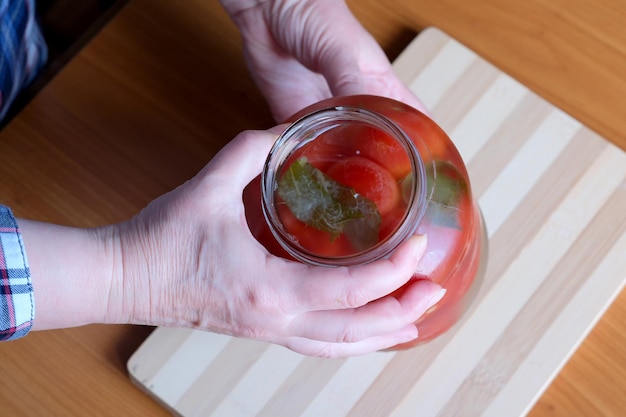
x=162, y=88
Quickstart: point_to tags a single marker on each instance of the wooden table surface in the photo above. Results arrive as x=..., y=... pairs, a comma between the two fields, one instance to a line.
x=152, y=98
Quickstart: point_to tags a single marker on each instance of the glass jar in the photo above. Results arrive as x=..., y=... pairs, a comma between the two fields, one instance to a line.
x=351, y=178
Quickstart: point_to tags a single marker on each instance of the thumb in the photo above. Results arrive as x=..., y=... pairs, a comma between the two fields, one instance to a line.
x=343, y=74
x=242, y=159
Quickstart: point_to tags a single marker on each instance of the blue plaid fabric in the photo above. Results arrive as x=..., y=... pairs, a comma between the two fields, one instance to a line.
x=17, y=307
x=23, y=50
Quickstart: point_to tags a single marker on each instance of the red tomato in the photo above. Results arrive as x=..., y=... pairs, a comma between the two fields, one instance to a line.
x=369, y=179
x=391, y=221
x=315, y=241
x=381, y=148
x=420, y=127
x=415, y=124
x=324, y=150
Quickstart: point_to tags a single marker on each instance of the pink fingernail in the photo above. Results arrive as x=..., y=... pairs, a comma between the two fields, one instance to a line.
x=409, y=333
x=436, y=298
x=422, y=242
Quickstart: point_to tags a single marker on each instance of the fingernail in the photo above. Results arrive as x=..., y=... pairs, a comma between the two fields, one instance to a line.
x=408, y=333
x=436, y=298
x=420, y=242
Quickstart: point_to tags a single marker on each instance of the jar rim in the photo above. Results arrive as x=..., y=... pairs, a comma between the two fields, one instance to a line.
x=306, y=129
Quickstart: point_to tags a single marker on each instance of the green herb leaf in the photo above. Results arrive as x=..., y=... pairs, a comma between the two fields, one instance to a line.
x=320, y=202
x=449, y=188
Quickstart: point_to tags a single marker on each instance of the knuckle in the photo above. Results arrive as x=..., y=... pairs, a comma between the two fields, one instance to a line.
x=252, y=332
x=261, y=319
x=247, y=135
x=350, y=334
x=356, y=297
x=328, y=351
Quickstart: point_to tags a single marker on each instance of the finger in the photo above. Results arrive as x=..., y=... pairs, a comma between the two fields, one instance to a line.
x=343, y=73
x=339, y=350
x=278, y=129
x=313, y=288
x=399, y=91
x=242, y=159
x=383, y=316
x=338, y=57
x=345, y=77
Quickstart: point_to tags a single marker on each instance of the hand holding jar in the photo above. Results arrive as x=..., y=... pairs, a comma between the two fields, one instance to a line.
x=301, y=52
x=188, y=259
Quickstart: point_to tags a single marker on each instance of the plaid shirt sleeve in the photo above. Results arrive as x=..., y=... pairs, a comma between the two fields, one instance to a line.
x=23, y=50
x=17, y=306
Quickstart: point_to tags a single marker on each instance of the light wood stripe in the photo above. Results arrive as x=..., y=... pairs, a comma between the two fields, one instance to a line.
x=297, y=392
x=396, y=381
x=438, y=76
x=248, y=397
x=509, y=240
x=455, y=103
x=341, y=393
x=405, y=65
x=506, y=142
x=203, y=347
x=219, y=378
x=533, y=159
x=486, y=115
x=158, y=353
x=553, y=195
x=558, y=343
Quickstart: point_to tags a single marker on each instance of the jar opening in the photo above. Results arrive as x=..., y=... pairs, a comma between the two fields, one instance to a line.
x=342, y=136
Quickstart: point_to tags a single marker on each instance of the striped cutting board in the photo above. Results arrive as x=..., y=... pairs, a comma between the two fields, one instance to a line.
x=553, y=195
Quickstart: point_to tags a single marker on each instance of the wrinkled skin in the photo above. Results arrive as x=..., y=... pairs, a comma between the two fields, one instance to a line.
x=190, y=260
x=302, y=51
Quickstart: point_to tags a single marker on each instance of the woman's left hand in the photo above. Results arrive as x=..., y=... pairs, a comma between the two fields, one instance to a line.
x=300, y=52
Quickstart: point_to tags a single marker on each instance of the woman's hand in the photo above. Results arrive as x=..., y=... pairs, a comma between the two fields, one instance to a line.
x=190, y=260
x=300, y=52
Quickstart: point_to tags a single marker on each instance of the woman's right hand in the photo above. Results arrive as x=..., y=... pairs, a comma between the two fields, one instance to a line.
x=190, y=260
